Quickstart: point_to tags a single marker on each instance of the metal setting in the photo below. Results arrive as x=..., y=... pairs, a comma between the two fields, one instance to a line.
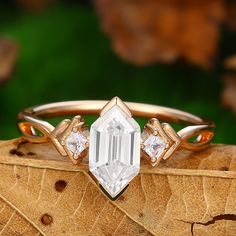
x=116, y=101
x=57, y=135
x=63, y=131
x=159, y=140
x=166, y=133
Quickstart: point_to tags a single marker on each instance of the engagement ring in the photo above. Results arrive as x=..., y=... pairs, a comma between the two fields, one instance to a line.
x=114, y=143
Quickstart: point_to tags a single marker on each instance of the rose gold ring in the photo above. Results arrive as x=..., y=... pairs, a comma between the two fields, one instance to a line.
x=115, y=141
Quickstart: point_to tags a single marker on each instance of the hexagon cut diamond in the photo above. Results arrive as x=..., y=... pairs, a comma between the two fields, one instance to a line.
x=114, y=154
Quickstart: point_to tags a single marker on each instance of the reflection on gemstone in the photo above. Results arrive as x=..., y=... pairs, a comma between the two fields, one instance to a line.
x=114, y=154
x=76, y=143
x=154, y=146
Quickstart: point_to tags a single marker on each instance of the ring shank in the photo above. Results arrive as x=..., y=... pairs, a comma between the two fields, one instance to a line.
x=94, y=107
x=198, y=126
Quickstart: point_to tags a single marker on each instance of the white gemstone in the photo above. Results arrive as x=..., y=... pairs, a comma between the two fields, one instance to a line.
x=154, y=146
x=76, y=143
x=114, y=153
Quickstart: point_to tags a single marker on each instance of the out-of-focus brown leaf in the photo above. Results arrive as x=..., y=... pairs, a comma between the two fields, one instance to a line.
x=148, y=31
x=35, y=5
x=231, y=15
x=8, y=56
x=229, y=92
x=230, y=63
x=43, y=194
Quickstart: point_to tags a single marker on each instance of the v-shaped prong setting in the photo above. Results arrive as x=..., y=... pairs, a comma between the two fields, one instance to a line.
x=70, y=138
x=159, y=141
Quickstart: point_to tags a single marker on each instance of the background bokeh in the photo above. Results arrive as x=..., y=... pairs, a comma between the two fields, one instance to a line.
x=64, y=55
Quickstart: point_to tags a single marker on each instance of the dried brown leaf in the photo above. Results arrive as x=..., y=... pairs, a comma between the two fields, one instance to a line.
x=230, y=63
x=148, y=31
x=36, y=5
x=231, y=15
x=8, y=56
x=192, y=194
x=228, y=96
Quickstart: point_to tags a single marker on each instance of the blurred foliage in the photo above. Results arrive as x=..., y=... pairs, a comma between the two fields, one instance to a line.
x=65, y=56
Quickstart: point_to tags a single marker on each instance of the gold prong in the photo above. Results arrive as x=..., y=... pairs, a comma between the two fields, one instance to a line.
x=63, y=142
x=155, y=132
x=167, y=145
x=155, y=127
x=148, y=128
x=153, y=159
x=60, y=127
x=57, y=132
x=73, y=126
x=63, y=139
x=78, y=126
x=74, y=129
x=170, y=131
x=76, y=119
x=154, y=121
x=116, y=101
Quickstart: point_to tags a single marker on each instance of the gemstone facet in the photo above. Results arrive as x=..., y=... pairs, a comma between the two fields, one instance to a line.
x=114, y=153
x=76, y=143
x=154, y=146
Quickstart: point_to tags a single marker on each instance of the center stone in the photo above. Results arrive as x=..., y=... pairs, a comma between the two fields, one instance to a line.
x=114, y=152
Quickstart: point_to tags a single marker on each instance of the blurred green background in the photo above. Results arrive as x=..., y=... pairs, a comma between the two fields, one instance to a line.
x=64, y=55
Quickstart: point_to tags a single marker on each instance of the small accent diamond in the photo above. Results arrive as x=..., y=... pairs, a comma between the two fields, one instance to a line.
x=154, y=146
x=76, y=143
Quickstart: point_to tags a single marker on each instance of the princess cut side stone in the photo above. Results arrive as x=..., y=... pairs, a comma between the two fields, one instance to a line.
x=114, y=153
x=76, y=143
x=154, y=146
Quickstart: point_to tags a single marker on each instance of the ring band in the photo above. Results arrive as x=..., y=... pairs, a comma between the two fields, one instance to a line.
x=115, y=139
